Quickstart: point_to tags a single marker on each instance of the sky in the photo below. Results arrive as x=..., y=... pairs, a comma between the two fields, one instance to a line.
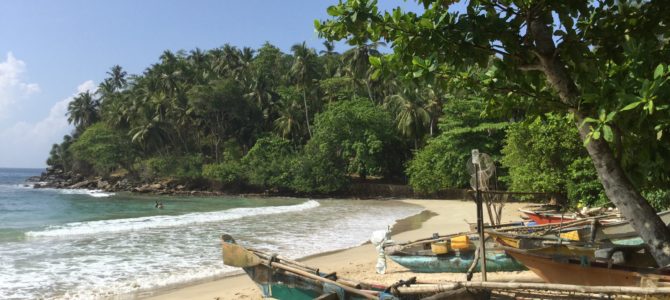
x=52, y=50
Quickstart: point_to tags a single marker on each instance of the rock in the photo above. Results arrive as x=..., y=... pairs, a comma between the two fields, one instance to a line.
x=82, y=184
x=102, y=184
x=34, y=179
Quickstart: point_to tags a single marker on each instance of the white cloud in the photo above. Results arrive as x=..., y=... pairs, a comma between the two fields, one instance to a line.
x=87, y=86
x=28, y=144
x=12, y=85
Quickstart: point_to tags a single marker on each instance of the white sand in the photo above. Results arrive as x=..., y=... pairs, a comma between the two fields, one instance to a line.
x=359, y=263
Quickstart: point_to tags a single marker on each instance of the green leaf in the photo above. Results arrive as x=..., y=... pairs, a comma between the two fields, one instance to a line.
x=417, y=73
x=588, y=120
x=375, y=61
x=587, y=140
x=333, y=11
x=607, y=133
x=375, y=75
x=426, y=23
x=596, y=135
x=659, y=135
x=631, y=106
x=660, y=69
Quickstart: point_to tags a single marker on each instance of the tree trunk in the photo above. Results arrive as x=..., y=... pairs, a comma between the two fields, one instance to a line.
x=623, y=194
x=367, y=86
x=304, y=99
x=618, y=187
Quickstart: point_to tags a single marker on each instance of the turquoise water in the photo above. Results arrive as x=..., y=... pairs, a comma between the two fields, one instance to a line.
x=66, y=244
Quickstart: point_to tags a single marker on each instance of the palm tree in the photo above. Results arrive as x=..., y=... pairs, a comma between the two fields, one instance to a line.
x=304, y=72
x=357, y=64
x=83, y=111
x=287, y=124
x=106, y=89
x=410, y=116
x=260, y=92
x=117, y=77
x=330, y=60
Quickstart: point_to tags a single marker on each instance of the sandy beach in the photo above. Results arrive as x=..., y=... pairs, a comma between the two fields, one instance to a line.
x=443, y=216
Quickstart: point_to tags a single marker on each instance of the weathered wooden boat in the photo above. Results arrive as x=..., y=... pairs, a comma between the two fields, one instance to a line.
x=622, y=266
x=281, y=278
x=450, y=255
x=520, y=241
x=285, y=279
x=623, y=230
x=541, y=218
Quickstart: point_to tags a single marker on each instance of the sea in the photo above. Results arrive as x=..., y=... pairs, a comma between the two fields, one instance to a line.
x=87, y=244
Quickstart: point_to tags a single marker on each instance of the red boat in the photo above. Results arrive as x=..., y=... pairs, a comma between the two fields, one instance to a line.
x=541, y=218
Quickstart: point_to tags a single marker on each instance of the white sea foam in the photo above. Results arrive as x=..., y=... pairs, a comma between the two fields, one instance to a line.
x=135, y=224
x=133, y=264
x=92, y=193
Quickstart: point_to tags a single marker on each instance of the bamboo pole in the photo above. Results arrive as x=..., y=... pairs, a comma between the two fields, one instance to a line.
x=423, y=240
x=489, y=285
x=363, y=293
x=565, y=224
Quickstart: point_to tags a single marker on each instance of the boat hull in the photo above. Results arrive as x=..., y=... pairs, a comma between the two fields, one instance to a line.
x=496, y=261
x=541, y=218
x=282, y=285
x=623, y=229
x=582, y=273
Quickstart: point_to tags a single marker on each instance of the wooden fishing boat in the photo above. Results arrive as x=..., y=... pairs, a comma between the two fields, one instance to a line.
x=281, y=278
x=520, y=241
x=285, y=279
x=541, y=218
x=623, y=229
x=601, y=269
x=450, y=255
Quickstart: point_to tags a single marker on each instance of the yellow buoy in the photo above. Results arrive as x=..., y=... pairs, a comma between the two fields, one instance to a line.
x=460, y=242
x=570, y=235
x=439, y=247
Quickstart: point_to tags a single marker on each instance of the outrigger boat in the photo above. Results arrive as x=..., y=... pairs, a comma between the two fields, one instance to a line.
x=454, y=254
x=617, y=266
x=623, y=230
x=281, y=278
x=541, y=218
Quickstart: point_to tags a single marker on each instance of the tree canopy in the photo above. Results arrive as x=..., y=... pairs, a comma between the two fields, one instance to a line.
x=602, y=62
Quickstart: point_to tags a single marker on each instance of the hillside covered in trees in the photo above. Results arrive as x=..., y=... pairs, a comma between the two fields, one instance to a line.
x=311, y=122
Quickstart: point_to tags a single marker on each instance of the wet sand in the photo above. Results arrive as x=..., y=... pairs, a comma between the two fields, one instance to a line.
x=440, y=216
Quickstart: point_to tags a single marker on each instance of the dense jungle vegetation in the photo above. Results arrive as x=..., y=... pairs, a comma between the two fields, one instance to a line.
x=312, y=122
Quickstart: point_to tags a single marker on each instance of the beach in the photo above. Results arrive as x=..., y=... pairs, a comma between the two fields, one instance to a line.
x=439, y=216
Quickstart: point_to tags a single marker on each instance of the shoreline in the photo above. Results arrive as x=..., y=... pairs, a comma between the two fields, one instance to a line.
x=405, y=224
x=443, y=216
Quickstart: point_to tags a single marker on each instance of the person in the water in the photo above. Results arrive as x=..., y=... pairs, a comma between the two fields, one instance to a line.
x=159, y=205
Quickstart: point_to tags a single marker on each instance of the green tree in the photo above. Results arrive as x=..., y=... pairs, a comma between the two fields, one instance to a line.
x=356, y=134
x=104, y=148
x=268, y=164
x=304, y=72
x=544, y=154
x=601, y=61
x=82, y=111
x=441, y=163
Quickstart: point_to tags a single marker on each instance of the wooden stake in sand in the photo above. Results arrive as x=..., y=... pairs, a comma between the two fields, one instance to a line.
x=480, y=214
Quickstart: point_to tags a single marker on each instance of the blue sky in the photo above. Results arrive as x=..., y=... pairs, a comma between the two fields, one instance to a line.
x=51, y=50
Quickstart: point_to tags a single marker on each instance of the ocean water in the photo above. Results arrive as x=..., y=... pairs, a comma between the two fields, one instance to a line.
x=79, y=244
